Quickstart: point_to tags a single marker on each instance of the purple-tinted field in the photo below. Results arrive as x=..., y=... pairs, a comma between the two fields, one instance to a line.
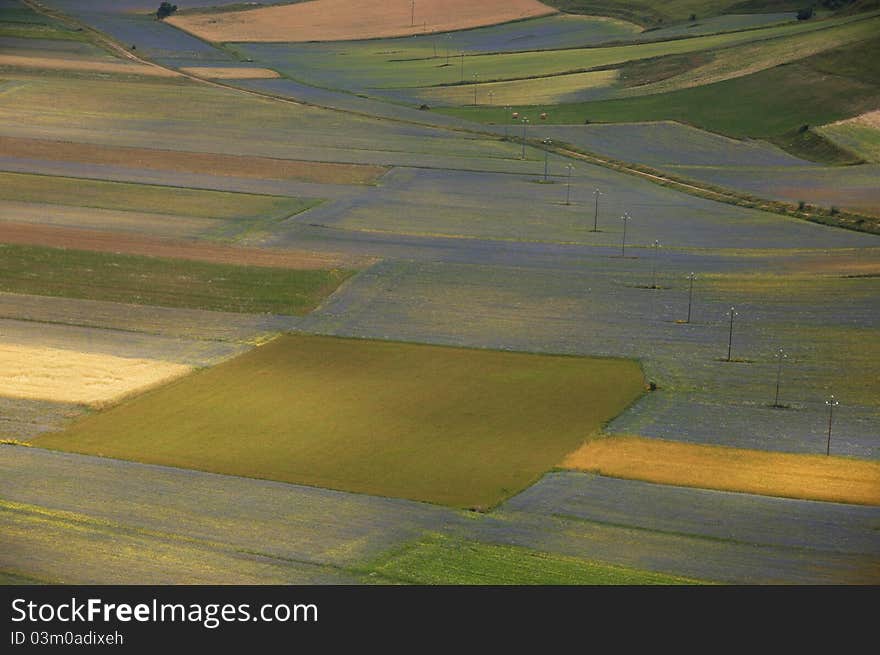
x=856, y=188
x=215, y=529
x=670, y=143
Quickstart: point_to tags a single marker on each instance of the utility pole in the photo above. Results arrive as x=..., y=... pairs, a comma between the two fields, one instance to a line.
x=569, y=168
x=548, y=143
x=656, y=246
x=780, y=356
x=596, y=193
x=691, y=277
x=832, y=403
x=624, y=218
x=525, y=121
x=730, y=334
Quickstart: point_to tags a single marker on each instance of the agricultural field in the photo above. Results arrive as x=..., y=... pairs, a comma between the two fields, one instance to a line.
x=654, y=13
x=750, y=471
x=75, y=377
x=150, y=209
x=747, y=165
x=314, y=307
x=339, y=20
x=436, y=559
x=860, y=135
x=421, y=65
x=667, y=143
x=191, y=162
x=334, y=536
x=451, y=204
x=164, y=282
x=355, y=418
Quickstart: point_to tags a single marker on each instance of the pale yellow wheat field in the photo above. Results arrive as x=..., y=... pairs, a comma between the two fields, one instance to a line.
x=76, y=377
x=231, y=73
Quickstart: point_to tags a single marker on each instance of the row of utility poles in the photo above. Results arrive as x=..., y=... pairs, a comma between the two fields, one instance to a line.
x=731, y=314
x=625, y=218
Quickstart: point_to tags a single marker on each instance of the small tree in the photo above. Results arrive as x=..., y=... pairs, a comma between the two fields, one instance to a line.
x=805, y=14
x=165, y=10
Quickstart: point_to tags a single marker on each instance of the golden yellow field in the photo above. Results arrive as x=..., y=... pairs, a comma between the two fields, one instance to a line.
x=231, y=73
x=811, y=477
x=341, y=20
x=78, y=377
x=82, y=64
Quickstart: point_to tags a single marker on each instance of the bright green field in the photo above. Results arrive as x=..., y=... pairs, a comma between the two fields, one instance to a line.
x=124, y=196
x=439, y=559
x=819, y=89
x=452, y=426
x=164, y=282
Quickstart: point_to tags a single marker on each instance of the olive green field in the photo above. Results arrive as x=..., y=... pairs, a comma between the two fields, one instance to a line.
x=460, y=427
x=164, y=282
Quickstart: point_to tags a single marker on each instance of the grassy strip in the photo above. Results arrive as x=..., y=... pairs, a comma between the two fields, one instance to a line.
x=164, y=282
x=453, y=426
x=441, y=559
x=809, y=477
